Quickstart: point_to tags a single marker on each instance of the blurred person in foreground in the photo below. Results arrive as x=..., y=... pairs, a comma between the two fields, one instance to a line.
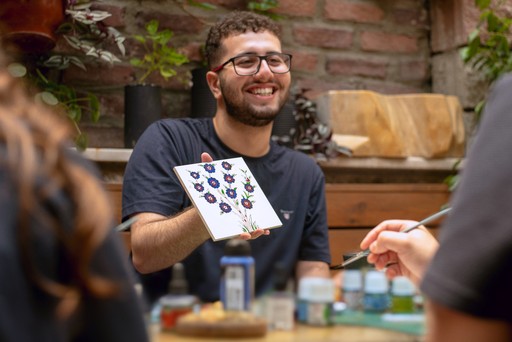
x=250, y=79
x=466, y=278
x=64, y=274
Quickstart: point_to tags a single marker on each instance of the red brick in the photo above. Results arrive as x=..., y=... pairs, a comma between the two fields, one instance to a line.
x=388, y=42
x=105, y=137
x=99, y=76
x=357, y=67
x=176, y=23
x=117, y=17
x=390, y=88
x=297, y=8
x=322, y=37
x=304, y=61
x=452, y=21
x=111, y=105
x=194, y=51
x=314, y=86
x=229, y=4
x=353, y=11
x=413, y=71
x=410, y=17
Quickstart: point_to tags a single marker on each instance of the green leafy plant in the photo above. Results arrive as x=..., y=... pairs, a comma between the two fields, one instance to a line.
x=488, y=52
x=82, y=30
x=159, y=55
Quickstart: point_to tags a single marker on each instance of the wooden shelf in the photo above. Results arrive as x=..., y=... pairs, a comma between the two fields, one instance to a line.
x=353, y=209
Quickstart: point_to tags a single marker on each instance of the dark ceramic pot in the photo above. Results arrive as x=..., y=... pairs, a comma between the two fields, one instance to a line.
x=142, y=107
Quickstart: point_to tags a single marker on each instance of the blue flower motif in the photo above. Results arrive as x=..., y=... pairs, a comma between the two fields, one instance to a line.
x=226, y=208
x=214, y=183
x=199, y=187
x=229, y=178
x=248, y=187
x=194, y=174
x=210, y=168
x=231, y=193
x=226, y=166
x=210, y=198
x=246, y=203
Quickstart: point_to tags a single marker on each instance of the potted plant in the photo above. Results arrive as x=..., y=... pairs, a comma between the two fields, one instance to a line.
x=23, y=24
x=489, y=52
x=81, y=29
x=143, y=103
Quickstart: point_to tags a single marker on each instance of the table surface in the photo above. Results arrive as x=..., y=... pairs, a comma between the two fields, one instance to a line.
x=304, y=333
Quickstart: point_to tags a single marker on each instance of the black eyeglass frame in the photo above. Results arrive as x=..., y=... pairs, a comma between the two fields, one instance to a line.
x=264, y=57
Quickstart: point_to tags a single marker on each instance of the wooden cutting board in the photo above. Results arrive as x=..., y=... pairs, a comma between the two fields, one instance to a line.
x=423, y=125
x=215, y=322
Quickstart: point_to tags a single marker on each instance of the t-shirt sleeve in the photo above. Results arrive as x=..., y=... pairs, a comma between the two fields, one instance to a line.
x=149, y=183
x=471, y=270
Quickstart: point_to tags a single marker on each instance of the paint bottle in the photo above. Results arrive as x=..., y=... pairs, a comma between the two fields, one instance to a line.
x=353, y=282
x=402, y=295
x=315, y=301
x=237, y=276
x=376, y=292
x=352, y=289
x=178, y=301
x=280, y=303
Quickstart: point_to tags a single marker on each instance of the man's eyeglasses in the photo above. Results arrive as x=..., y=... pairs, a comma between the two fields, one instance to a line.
x=249, y=64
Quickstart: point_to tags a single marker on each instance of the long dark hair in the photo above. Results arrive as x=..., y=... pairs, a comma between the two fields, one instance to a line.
x=36, y=142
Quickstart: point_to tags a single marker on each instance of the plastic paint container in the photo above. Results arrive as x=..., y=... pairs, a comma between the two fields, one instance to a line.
x=173, y=307
x=376, y=296
x=402, y=295
x=353, y=289
x=315, y=301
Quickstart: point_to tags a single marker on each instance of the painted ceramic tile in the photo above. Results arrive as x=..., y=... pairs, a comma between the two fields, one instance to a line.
x=228, y=197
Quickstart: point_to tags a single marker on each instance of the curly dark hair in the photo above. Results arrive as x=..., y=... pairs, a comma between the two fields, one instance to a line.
x=236, y=22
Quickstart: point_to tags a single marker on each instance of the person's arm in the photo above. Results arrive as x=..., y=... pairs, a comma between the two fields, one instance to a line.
x=312, y=269
x=158, y=241
x=405, y=254
x=444, y=324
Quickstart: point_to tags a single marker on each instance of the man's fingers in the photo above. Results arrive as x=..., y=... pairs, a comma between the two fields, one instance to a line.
x=254, y=235
x=206, y=158
x=389, y=241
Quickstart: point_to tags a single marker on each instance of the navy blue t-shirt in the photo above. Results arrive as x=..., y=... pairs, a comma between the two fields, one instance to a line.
x=292, y=181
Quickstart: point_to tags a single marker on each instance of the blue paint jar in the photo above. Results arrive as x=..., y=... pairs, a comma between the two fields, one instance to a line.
x=376, y=292
x=237, y=276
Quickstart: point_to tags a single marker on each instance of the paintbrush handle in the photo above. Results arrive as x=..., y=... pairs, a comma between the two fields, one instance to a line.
x=425, y=221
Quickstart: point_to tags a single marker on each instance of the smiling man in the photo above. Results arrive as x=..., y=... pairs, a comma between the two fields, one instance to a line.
x=250, y=79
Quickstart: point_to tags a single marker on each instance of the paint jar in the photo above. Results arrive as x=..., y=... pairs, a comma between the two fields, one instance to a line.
x=237, y=276
x=402, y=295
x=315, y=301
x=177, y=302
x=280, y=302
x=352, y=289
x=376, y=292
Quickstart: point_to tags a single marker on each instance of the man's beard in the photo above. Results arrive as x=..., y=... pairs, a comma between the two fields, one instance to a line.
x=246, y=113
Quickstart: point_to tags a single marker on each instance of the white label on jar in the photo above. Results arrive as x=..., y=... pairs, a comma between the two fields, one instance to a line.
x=234, y=277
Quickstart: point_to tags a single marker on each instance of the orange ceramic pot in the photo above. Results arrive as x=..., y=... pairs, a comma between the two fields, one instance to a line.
x=30, y=24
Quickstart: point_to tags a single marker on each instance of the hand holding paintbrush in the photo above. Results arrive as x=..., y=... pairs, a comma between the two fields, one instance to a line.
x=395, y=245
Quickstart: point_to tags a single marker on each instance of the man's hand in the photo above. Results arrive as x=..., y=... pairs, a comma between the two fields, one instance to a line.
x=401, y=254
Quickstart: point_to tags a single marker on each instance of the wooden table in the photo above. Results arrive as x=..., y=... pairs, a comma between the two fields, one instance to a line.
x=304, y=333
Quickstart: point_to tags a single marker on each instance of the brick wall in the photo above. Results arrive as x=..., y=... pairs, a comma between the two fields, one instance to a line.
x=337, y=44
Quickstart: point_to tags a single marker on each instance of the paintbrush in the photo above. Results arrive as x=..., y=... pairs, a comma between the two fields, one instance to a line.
x=126, y=224
x=364, y=253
